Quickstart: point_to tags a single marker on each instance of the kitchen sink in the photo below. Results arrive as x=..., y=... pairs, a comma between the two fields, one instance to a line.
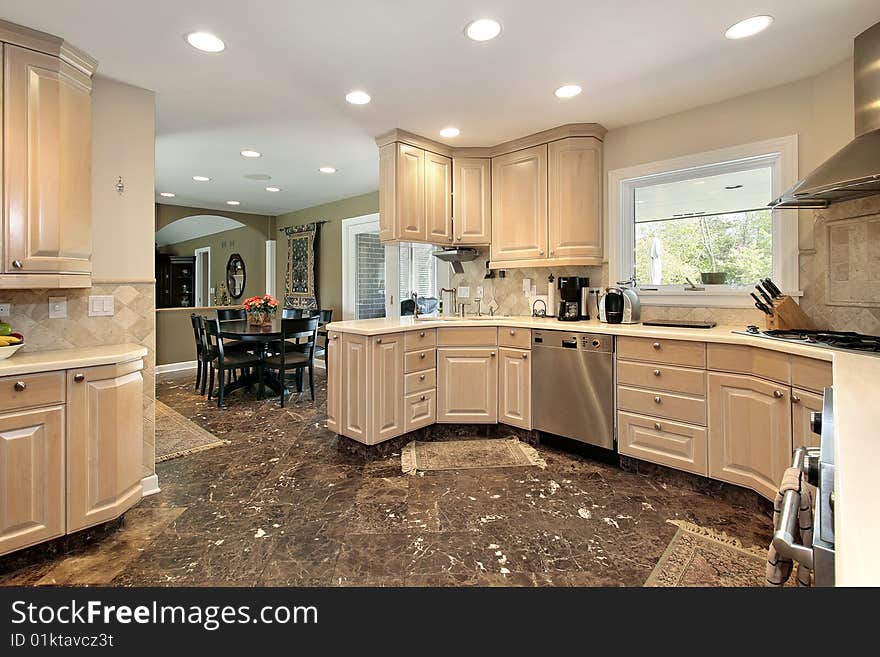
x=456, y=318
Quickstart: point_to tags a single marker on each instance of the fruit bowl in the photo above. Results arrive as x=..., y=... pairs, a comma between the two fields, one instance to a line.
x=9, y=350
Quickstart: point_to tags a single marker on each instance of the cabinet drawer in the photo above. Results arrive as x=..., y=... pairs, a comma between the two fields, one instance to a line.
x=518, y=338
x=674, y=352
x=420, y=381
x=421, y=409
x=662, y=404
x=423, y=339
x=738, y=358
x=673, y=444
x=810, y=373
x=662, y=377
x=31, y=390
x=467, y=336
x=423, y=359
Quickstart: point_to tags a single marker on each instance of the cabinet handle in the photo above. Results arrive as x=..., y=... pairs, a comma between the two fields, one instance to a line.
x=422, y=355
x=79, y=378
x=512, y=332
x=540, y=251
x=424, y=398
x=492, y=354
x=525, y=355
x=657, y=399
x=421, y=377
x=551, y=251
x=795, y=399
x=656, y=372
x=421, y=334
x=334, y=337
x=17, y=264
x=657, y=426
x=378, y=340
x=20, y=386
x=778, y=394
x=656, y=345
x=458, y=237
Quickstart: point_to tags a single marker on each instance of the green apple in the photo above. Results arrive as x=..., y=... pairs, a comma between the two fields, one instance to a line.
x=5, y=329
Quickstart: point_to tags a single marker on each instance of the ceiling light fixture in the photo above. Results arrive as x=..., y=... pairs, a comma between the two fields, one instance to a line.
x=358, y=97
x=201, y=179
x=273, y=189
x=249, y=153
x=327, y=170
x=205, y=41
x=167, y=194
x=233, y=202
x=483, y=29
x=450, y=132
x=568, y=91
x=748, y=27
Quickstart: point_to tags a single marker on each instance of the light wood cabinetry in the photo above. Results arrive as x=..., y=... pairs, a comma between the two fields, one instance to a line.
x=104, y=442
x=355, y=391
x=410, y=193
x=674, y=352
x=515, y=387
x=334, y=380
x=438, y=198
x=472, y=200
x=386, y=387
x=673, y=406
x=467, y=385
x=421, y=409
x=810, y=374
x=519, y=338
x=47, y=153
x=574, y=174
x=387, y=192
x=773, y=365
x=419, y=360
x=656, y=376
x=519, y=205
x=467, y=336
x=750, y=439
x=31, y=477
x=674, y=444
x=803, y=403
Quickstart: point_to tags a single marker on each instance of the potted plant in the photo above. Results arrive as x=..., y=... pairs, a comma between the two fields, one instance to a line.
x=713, y=277
x=260, y=309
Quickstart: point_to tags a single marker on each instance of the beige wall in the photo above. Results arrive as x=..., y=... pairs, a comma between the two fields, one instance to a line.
x=330, y=273
x=166, y=214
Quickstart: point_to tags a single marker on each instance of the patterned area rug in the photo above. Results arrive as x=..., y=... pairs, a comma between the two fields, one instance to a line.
x=698, y=556
x=177, y=436
x=468, y=455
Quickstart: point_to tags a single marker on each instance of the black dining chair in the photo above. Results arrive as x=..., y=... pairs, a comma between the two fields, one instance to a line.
x=305, y=328
x=223, y=360
x=197, y=334
x=225, y=314
x=291, y=313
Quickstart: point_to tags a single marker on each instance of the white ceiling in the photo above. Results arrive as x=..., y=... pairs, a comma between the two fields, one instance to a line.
x=197, y=225
x=279, y=87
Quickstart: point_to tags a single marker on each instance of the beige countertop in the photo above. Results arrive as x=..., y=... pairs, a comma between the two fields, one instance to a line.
x=856, y=420
x=194, y=308
x=29, y=362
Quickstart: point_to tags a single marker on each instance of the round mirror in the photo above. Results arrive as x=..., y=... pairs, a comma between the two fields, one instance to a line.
x=235, y=276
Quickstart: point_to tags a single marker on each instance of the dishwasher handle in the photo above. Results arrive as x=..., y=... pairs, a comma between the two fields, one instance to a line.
x=569, y=343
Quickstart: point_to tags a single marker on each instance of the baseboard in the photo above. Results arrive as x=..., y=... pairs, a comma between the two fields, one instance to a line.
x=150, y=485
x=177, y=367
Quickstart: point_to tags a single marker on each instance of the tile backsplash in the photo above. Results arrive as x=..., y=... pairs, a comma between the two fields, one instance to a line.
x=134, y=320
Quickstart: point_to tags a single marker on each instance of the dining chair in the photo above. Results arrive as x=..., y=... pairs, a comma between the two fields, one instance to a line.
x=196, y=326
x=223, y=360
x=304, y=328
x=224, y=314
x=291, y=313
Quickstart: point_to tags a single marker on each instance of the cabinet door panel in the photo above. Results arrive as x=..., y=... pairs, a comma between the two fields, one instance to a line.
x=386, y=389
x=438, y=198
x=47, y=164
x=574, y=201
x=515, y=388
x=31, y=477
x=749, y=431
x=472, y=200
x=354, y=387
x=410, y=193
x=334, y=380
x=674, y=444
x=104, y=442
x=803, y=403
x=519, y=205
x=387, y=191
x=467, y=385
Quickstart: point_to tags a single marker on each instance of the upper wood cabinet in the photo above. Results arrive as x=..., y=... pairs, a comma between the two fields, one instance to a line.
x=438, y=198
x=472, y=200
x=47, y=153
x=574, y=175
x=519, y=205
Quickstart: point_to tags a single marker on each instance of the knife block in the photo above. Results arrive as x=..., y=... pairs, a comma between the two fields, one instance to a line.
x=787, y=314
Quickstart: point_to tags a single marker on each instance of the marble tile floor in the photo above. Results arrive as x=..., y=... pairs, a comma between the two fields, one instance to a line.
x=281, y=505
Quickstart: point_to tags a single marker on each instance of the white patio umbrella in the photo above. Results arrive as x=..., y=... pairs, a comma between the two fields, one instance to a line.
x=655, y=266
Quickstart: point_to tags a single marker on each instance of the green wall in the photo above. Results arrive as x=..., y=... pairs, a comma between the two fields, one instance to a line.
x=330, y=266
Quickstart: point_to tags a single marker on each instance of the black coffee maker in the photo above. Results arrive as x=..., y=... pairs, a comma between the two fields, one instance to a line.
x=573, y=296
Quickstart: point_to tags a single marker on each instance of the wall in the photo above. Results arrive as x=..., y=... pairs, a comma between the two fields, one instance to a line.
x=123, y=134
x=371, y=276
x=330, y=266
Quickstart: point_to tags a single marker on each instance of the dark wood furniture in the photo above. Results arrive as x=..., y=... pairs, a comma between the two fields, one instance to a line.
x=225, y=314
x=224, y=360
x=175, y=281
x=298, y=354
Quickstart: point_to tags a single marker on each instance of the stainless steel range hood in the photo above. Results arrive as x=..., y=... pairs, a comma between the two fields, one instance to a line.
x=456, y=256
x=854, y=171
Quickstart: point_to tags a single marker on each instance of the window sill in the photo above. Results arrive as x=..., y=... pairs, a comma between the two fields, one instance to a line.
x=712, y=297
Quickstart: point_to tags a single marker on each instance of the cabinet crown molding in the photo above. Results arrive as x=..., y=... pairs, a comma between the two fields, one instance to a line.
x=48, y=44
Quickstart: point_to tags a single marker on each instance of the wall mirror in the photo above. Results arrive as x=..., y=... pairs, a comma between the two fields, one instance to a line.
x=236, y=277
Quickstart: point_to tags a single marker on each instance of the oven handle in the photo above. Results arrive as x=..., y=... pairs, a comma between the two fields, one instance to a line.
x=784, y=536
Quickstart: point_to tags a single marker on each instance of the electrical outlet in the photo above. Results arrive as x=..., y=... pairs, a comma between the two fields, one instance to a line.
x=527, y=286
x=5, y=309
x=101, y=306
x=479, y=291
x=464, y=292
x=57, y=307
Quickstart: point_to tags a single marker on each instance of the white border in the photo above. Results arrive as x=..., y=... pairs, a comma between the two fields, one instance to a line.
x=198, y=301
x=150, y=485
x=177, y=367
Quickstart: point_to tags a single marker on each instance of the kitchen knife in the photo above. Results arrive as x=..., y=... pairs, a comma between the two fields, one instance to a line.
x=760, y=305
x=771, y=288
x=766, y=296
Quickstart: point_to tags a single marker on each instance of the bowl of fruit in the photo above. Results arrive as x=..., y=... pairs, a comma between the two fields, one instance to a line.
x=10, y=342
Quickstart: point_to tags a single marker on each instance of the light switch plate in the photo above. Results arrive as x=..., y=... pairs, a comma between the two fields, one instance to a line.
x=5, y=309
x=57, y=307
x=464, y=292
x=479, y=291
x=101, y=306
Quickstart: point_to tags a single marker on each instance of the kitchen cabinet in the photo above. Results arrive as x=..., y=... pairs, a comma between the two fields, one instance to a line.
x=467, y=385
x=574, y=174
x=515, y=387
x=410, y=201
x=674, y=444
x=472, y=200
x=519, y=205
x=386, y=387
x=334, y=380
x=104, y=442
x=438, y=198
x=803, y=403
x=47, y=152
x=750, y=431
x=354, y=387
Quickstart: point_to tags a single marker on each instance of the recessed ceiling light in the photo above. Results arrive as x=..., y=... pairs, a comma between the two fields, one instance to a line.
x=233, y=202
x=568, y=91
x=273, y=189
x=748, y=27
x=248, y=153
x=450, y=132
x=167, y=194
x=205, y=41
x=483, y=29
x=357, y=97
x=201, y=178
x=327, y=170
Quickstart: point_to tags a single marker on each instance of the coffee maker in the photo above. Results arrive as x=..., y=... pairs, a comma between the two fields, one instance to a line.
x=574, y=297
x=620, y=305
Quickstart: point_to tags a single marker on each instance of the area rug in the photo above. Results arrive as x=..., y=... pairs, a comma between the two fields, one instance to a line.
x=698, y=556
x=178, y=436
x=468, y=455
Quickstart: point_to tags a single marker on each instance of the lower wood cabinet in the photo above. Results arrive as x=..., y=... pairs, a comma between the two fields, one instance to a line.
x=675, y=444
x=750, y=431
x=467, y=385
x=421, y=410
x=803, y=403
x=333, y=361
x=515, y=387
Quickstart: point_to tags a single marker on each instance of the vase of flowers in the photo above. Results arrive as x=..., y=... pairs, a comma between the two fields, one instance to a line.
x=260, y=310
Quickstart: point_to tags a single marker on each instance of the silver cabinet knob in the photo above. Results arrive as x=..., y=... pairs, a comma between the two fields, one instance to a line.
x=421, y=334
x=492, y=354
x=378, y=340
x=540, y=251
x=17, y=264
x=421, y=377
x=422, y=355
x=778, y=394
x=334, y=337
x=656, y=372
x=795, y=399
x=424, y=398
x=20, y=386
x=512, y=331
x=79, y=378
x=657, y=399
x=657, y=426
x=525, y=355
x=458, y=237
x=656, y=345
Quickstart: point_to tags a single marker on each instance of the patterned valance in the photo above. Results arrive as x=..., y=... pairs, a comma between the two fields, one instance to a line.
x=301, y=279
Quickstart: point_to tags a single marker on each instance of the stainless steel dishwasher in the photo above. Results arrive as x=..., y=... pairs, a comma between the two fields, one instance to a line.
x=573, y=386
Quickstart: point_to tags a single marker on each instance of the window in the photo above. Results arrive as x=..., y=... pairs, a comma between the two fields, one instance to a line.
x=705, y=214
x=418, y=270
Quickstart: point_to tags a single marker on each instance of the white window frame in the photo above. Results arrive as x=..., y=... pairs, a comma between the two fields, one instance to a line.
x=202, y=287
x=782, y=156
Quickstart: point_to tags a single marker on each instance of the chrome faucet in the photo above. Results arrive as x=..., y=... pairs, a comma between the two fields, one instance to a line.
x=452, y=290
x=479, y=312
